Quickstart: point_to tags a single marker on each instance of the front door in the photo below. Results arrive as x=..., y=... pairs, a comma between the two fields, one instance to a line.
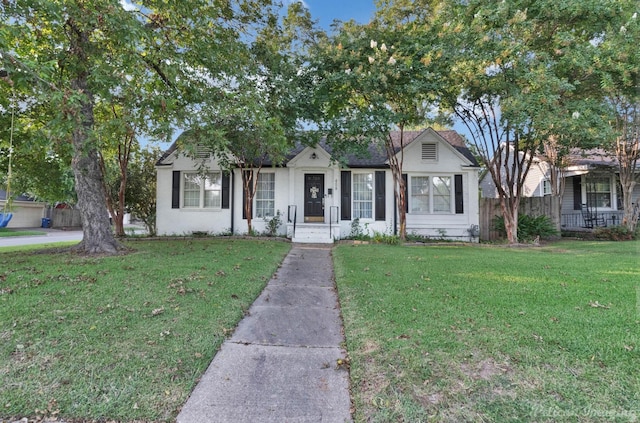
x=313, y=197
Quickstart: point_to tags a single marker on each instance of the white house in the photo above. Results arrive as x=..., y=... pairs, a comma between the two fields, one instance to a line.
x=591, y=183
x=319, y=200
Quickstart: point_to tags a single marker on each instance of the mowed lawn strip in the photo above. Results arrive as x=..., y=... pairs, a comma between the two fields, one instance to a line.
x=473, y=333
x=121, y=338
x=6, y=232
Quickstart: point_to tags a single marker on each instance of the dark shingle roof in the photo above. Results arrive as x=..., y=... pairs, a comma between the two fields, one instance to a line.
x=376, y=157
x=21, y=197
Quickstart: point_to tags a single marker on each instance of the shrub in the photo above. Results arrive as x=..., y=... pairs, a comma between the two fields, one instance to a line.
x=528, y=227
x=614, y=233
x=358, y=232
x=273, y=224
x=382, y=238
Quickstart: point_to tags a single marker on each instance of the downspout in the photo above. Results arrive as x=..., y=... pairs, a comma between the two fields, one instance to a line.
x=232, y=200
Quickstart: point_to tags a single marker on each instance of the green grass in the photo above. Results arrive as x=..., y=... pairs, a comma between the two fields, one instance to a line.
x=5, y=232
x=473, y=333
x=37, y=247
x=123, y=338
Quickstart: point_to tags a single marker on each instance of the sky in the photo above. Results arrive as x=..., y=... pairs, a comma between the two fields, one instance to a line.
x=325, y=11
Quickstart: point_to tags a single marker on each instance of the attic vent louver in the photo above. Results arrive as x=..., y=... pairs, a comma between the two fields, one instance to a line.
x=429, y=151
x=202, y=152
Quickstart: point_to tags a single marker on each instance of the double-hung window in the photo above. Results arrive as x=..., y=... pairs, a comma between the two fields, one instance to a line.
x=598, y=192
x=265, y=195
x=202, y=191
x=363, y=195
x=441, y=194
x=431, y=194
x=420, y=194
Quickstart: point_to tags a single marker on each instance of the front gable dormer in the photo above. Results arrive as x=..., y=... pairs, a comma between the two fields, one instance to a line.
x=311, y=157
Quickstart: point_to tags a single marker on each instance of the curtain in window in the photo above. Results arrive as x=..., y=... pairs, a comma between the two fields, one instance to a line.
x=363, y=195
x=265, y=195
x=598, y=192
x=442, y=194
x=202, y=191
x=420, y=194
x=192, y=184
x=213, y=190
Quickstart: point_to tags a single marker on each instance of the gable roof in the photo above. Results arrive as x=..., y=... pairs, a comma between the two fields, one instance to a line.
x=589, y=158
x=595, y=157
x=376, y=157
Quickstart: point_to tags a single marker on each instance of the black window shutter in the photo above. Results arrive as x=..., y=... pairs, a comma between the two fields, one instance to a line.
x=345, y=195
x=175, y=190
x=458, y=194
x=380, y=195
x=577, y=193
x=248, y=175
x=405, y=178
x=225, y=190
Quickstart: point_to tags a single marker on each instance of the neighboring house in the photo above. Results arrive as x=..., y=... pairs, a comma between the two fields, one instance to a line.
x=591, y=180
x=319, y=200
x=27, y=213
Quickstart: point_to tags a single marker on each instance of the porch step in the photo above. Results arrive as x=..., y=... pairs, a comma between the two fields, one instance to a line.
x=309, y=233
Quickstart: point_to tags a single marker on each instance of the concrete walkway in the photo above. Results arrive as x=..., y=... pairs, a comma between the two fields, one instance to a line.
x=281, y=363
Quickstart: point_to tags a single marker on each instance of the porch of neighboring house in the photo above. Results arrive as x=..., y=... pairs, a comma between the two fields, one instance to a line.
x=575, y=220
x=591, y=200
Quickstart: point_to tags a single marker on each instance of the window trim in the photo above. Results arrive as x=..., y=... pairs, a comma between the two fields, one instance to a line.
x=215, y=176
x=256, y=208
x=612, y=191
x=431, y=197
x=370, y=201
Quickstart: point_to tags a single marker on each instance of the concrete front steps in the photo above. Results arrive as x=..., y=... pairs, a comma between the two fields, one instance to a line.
x=312, y=233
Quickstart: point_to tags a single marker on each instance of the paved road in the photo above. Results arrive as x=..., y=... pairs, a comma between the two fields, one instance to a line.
x=52, y=236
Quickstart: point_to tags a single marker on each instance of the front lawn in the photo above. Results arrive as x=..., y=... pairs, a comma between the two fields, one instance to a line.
x=6, y=232
x=476, y=333
x=121, y=338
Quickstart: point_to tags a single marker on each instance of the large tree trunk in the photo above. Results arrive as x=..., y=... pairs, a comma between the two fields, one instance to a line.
x=97, y=235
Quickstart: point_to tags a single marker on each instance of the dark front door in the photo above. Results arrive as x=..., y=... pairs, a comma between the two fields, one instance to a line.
x=313, y=197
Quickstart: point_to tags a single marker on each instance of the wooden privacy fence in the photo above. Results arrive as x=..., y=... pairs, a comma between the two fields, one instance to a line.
x=66, y=218
x=531, y=206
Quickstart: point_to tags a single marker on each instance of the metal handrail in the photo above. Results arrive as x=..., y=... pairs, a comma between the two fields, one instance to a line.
x=295, y=217
x=331, y=218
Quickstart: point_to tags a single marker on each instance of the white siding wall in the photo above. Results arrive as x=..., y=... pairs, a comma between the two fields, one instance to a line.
x=281, y=196
x=449, y=163
x=304, y=164
x=182, y=221
x=533, y=183
x=289, y=188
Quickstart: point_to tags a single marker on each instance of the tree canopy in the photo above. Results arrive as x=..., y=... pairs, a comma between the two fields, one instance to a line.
x=164, y=60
